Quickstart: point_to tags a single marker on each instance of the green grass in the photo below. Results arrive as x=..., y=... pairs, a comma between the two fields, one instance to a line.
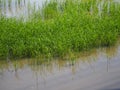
x=61, y=28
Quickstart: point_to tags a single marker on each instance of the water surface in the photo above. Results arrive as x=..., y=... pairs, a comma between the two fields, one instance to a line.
x=98, y=69
x=17, y=8
x=24, y=8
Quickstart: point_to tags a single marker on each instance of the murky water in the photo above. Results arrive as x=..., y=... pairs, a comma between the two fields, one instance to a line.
x=98, y=69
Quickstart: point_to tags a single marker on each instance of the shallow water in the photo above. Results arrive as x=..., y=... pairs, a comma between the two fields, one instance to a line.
x=17, y=8
x=24, y=8
x=98, y=69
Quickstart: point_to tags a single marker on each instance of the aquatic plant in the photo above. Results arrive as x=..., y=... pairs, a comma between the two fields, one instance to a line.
x=61, y=28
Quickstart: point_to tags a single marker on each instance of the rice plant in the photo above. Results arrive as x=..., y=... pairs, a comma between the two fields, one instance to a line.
x=60, y=28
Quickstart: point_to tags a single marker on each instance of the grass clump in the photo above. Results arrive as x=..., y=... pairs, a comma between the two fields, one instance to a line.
x=61, y=28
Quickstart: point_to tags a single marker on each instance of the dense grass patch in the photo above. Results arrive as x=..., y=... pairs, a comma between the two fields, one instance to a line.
x=60, y=28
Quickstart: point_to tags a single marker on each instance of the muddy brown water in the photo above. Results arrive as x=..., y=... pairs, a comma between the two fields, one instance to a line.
x=98, y=69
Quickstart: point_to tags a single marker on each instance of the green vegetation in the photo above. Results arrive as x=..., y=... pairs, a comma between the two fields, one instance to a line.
x=61, y=28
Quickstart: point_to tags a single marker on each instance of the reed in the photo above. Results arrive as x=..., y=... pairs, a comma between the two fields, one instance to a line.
x=60, y=28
